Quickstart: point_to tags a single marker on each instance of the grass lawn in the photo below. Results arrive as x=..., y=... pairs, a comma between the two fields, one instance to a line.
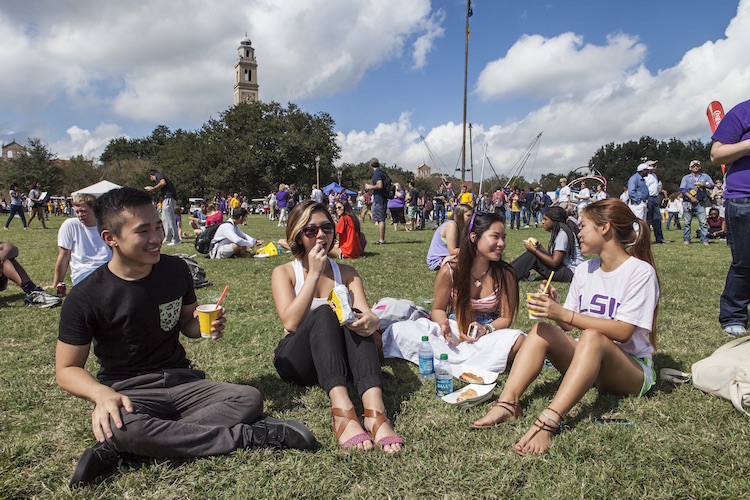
x=682, y=444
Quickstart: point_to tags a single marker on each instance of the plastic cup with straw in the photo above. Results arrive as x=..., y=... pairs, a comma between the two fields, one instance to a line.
x=529, y=294
x=208, y=313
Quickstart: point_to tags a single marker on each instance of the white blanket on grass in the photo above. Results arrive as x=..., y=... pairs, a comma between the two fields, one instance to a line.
x=489, y=352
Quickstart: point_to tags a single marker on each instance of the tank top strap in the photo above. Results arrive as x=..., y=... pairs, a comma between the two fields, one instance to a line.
x=299, y=274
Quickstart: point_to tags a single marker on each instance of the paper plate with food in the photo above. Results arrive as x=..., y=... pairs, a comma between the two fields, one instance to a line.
x=472, y=375
x=470, y=395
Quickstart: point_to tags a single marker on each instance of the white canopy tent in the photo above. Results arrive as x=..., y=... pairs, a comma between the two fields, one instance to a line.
x=97, y=189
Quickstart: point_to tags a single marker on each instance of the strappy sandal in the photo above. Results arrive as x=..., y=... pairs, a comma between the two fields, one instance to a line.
x=513, y=408
x=554, y=430
x=348, y=415
x=380, y=419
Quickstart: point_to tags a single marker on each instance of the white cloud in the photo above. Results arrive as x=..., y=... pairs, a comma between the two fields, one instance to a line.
x=155, y=61
x=424, y=44
x=542, y=68
x=591, y=96
x=84, y=142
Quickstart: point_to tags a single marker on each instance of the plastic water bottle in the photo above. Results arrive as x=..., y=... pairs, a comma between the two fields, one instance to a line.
x=443, y=377
x=279, y=250
x=426, y=368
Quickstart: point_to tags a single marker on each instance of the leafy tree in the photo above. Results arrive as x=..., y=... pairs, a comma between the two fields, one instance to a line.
x=77, y=173
x=249, y=149
x=37, y=165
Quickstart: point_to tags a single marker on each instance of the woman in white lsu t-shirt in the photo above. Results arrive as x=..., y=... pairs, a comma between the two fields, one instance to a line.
x=613, y=300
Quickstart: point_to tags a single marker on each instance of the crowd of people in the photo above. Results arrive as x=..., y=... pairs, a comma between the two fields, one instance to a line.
x=131, y=302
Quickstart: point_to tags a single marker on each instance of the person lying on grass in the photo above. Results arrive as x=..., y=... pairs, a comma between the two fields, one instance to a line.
x=148, y=399
x=315, y=349
x=613, y=299
x=476, y=299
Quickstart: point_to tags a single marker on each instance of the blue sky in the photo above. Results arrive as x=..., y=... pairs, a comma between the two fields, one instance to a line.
x=77, y=74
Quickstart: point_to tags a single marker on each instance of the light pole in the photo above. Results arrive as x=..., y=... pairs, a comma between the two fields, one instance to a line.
x=317, y=170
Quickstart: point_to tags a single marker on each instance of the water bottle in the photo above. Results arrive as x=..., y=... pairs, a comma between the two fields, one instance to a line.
x=443, y=377
x=279, y=249
x=426, y=368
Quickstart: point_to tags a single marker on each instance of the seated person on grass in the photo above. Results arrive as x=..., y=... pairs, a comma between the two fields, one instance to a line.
x=563, y=253
x=149, y=401
x=316, y=349
x=229, y=240
x=79, y=243
x=613, y=301
x=349, y=245
x=476, y=300
x=717, y=226
x=11, y=270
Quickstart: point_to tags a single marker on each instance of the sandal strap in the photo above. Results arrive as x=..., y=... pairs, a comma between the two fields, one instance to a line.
x=379, y=417
x=508, y=406
x=555, y=412
x=544, y=426
x=348, y=415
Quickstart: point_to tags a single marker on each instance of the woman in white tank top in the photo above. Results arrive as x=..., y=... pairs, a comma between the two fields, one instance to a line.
x=316, y=350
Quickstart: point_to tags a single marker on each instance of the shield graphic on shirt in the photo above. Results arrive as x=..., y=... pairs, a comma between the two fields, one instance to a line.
x=169, y=314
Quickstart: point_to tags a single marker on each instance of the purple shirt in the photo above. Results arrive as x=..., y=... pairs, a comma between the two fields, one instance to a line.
x=281, y=199
x=734, y=128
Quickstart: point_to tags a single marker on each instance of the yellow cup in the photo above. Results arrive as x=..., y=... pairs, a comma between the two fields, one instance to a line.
x=531, y=314
x=207, y=314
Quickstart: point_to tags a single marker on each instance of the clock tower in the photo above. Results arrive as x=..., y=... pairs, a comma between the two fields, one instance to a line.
x=245, y=73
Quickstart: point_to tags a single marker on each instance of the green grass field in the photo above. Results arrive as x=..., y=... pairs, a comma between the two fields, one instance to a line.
x=682, y=444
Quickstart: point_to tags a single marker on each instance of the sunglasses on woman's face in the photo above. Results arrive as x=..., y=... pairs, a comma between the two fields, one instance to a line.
x=339, y=207
x=311, y=231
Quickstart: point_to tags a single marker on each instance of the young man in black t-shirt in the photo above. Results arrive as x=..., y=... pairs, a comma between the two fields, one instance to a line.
x=149, y=401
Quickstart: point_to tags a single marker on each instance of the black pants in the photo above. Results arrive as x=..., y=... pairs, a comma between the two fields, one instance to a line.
x=321, y=352
x=178, y=413
x=528, y=261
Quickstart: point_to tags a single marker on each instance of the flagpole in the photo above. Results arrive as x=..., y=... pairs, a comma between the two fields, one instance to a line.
x=466, y=65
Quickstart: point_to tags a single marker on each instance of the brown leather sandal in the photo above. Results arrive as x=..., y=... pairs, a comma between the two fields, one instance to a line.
x=380, y=419
x=554, y=430
x=513, y=408
x=348, y=415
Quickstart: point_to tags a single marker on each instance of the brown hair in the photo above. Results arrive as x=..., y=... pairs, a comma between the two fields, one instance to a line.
x=299, y=217
x=503, y=275
x=459, y=217
x=636, y=243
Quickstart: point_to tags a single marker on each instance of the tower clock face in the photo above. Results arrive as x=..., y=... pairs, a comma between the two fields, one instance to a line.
x=249, y=98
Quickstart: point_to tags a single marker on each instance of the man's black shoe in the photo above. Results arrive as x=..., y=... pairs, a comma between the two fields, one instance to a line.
x=96, y=461
x=271, y=432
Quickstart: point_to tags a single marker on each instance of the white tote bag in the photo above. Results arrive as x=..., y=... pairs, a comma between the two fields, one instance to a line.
x=725, y=373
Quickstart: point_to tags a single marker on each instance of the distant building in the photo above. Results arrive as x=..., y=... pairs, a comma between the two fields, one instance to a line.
x=12, y=150
x=423, y=171
x=245, y=73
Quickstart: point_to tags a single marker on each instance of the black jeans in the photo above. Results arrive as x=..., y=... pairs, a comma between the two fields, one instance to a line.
x=321, y=352
x=528, y=261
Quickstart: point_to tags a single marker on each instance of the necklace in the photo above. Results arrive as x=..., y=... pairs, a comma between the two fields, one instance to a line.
x=478, y=281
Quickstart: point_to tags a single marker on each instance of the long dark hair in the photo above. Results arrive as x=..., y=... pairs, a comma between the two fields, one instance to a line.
x=503, y=275
x=350, y=212
x=561, y=223
x=623, y=223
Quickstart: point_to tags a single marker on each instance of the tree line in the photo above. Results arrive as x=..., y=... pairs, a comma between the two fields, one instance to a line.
x=252, y=148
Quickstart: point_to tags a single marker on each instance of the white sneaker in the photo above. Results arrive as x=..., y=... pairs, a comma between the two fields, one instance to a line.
x=41, y=299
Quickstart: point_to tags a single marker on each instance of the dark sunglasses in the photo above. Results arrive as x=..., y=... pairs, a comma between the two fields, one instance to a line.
x=311, y=231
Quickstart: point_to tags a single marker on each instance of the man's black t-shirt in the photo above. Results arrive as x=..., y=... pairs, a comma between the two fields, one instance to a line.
x=414, y=194
x=168, y=191
x=134, y=325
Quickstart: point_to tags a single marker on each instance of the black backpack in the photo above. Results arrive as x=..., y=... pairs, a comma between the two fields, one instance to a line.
x=196, y=271
x=536, y=203
x=388, y=187
x=203, y=240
